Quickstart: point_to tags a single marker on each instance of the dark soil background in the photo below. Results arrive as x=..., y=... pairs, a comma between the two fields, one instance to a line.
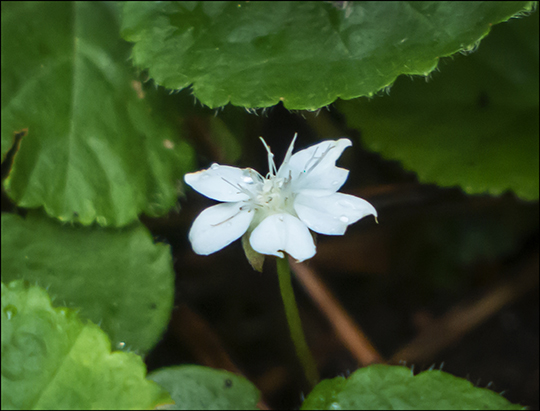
x=433, y=251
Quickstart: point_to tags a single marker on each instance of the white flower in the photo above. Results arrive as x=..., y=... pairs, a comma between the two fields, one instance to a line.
x=277, y=211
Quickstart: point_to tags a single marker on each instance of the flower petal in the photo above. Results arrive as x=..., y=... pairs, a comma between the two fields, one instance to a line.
x=223, y=183
x=314, y=170
x=218, y=226
x=283, y=232
x=331, y=214
x=319, y=156
x=322, y=184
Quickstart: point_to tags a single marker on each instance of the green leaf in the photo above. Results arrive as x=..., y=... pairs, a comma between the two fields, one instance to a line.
x=256, y=260
x=94, y=150
x=384, y=387
x=305, y=54
x=220, y=132
x=119, y=279
x=194, y=387
x=475, y=124
x=52, y=360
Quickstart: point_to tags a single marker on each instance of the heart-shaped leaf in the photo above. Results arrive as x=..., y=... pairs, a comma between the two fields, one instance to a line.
x=52, y=360
x=119, y=279
x=305, y=54
x=384, y=387
x=475, y=124
x=93, y=149
x=194, y=387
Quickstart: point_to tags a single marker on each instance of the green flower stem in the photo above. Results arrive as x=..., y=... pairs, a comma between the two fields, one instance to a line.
x=293, y=319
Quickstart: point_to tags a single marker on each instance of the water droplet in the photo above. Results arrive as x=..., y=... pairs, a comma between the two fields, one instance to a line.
x=335, y=406
x=205, y=176
x=214, y=166
x=10, y=311
x=280, y=218
x=335, y=183
x=229, y=224
x=344, y=219
x=121, y=345
x=247, y=177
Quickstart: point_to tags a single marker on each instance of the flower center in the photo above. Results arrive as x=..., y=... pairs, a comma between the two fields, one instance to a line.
x=274, y=196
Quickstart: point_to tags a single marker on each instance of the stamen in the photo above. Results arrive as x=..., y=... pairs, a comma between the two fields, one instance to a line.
x=257, y=175
x=271, y=165
x=289, y=151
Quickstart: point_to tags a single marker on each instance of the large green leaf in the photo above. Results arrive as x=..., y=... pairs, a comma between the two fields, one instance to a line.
x=384, y=387
x=194, y=387
x=306, y=54
x=119, y=279
x=94, y=150
x=475, y=124
x=52, y=360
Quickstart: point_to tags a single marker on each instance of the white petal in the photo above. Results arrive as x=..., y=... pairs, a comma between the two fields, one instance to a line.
x=321, y=184
x=223, y=183
x=218, y=226
x=331, y=214
x=283, y=232
x=314, y=170
x=318, y=157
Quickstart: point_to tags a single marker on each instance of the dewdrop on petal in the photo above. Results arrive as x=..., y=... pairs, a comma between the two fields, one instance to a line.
x=276, y=212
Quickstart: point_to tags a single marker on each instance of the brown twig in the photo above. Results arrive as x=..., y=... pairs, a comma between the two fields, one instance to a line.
x=203, y=342
x=451, y=327
x=347, y=330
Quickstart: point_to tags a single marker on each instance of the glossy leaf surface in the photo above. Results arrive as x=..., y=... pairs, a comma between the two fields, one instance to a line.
x=119, y=279
x=53, y=360
x=474, y=124
x=305, y=54
x=93, y=149
x=384, y=387
x=194, y=387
